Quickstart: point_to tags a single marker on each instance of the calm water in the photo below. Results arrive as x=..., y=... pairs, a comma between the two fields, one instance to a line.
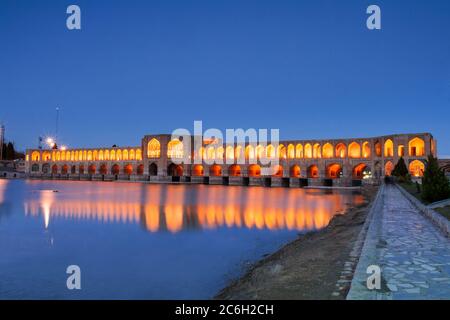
x=145, y=241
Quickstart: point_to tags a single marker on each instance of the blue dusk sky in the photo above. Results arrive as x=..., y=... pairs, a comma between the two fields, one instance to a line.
x=309, y=68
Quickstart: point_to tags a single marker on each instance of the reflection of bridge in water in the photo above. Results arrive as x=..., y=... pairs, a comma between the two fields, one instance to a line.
x=180, y=207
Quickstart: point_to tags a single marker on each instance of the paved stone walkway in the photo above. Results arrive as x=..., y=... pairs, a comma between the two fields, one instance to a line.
x=413, y=254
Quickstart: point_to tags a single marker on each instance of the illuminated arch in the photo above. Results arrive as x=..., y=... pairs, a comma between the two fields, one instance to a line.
x=388, y=167
x=197, y=170
x=354, y=150
x=416, y=147
x=238, y=153
x=277, y=171
x=128, y=169
x=138, y=154
x=229, y=152
x=175, y=170
x=295, y=171
x=132, y=155
x=249, y=152
x=63, y=155
x=313, y=171
x=416, y=168
x=115, y=169
x=388, y=148
x=358, y=171
x=234, y=170
x=270, y=151
x=211, y=153
x=281, y=151
x=308, y=151
x=316, y=151
x=215, y=170
x=112, y=155
x=103, y=169
x=299, y=151
x=107, y=155
x=95, y=155
x=327, y=150
x=175, y=149
x=46, y=156
x=377, y=148
x=401, y=150
x=254, y=170
x=89, y=155
x=201, y=154
x=119, y=155
x=153, y=148
x=291, y=151
x=219, y=153
x=334, y=171
x=259, y=151
x=101, y=156
x=58, y=156
x=366, y=149
x=92, y=169
x=125, y=154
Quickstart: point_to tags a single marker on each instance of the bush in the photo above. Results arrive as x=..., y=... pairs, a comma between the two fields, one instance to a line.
x=406, y=178
x=400, y=170
x=435, y=185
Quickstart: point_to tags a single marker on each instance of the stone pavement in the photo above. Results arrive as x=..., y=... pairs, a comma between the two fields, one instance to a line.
x=413, y=254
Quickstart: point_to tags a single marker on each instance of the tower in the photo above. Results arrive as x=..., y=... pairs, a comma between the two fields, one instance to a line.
x=2, y=139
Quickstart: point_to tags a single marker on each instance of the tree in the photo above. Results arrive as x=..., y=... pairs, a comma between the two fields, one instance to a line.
x=10, y=152
x=400, y=169
x=435, y=185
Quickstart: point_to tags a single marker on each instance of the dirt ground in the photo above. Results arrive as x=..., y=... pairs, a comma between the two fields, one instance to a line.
x=308, y=267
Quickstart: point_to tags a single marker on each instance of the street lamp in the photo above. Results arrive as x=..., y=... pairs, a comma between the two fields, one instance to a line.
x=50, y=142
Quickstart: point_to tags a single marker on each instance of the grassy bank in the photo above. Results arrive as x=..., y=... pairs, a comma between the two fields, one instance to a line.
x=412, y=189
x=445, y=211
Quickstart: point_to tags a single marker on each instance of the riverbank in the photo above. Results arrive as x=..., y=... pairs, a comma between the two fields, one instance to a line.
x=308, y=267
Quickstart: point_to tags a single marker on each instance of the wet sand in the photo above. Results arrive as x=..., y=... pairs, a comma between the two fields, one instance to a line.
x=308, y=267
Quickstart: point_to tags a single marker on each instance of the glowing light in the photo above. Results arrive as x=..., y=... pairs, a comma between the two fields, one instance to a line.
x=63, y=148
x=50, y=142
